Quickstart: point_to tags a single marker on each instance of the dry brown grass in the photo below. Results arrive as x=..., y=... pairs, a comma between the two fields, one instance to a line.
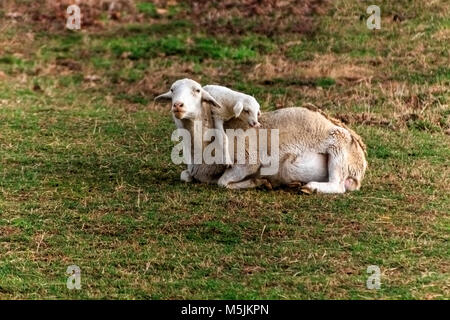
x=322, y=66
x=272, y=16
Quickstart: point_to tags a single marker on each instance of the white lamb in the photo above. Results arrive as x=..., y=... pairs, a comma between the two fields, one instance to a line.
x=234, y=104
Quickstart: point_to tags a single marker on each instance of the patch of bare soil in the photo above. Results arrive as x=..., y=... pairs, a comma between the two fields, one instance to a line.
x=6, y=231
x=267, y=17
x=52, y=14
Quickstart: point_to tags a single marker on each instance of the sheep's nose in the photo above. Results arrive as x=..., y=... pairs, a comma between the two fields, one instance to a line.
x=177, y=106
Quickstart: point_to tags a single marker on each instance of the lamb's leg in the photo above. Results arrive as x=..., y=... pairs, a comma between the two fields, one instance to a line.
x=227, y=156
x=237, y=173
x=218, y=123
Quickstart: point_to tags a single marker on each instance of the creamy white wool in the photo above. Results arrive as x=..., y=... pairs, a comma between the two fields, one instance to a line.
x=233, y=104
x=229, y=99
x=313, y=148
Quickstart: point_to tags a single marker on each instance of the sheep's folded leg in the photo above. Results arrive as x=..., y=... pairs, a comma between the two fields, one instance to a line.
x=250, y=183
x=186, y=176
x=323, y=187
x=337, y=164
x=336, y=172
x=237, y=173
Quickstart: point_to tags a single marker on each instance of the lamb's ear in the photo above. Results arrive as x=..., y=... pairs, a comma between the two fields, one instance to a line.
x=209, y=98
x=164, y=96
x=237, y=109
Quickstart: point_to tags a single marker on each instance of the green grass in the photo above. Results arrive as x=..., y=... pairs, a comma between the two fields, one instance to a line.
x=141, y=47
x=147, y=8
x=86, y=175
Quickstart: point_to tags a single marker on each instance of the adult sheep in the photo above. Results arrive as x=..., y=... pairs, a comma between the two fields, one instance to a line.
x=314, y=149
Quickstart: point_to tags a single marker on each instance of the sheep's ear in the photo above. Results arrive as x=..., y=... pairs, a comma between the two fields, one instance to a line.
x=209, y=98
x=237, y=109
x=164, y=96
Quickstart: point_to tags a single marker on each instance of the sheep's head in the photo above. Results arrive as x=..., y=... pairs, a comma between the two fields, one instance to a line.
x=187, y=96
x=248, y=111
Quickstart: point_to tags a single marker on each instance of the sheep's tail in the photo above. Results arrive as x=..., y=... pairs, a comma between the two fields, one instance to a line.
x=356, y=138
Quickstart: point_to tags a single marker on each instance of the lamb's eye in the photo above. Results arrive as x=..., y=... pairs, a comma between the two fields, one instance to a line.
x=246, y=111
x=171, y=90
x=197, y=90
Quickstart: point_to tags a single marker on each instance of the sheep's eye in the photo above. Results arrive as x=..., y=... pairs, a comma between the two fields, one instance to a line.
x=197, y=90
x=171, y=90
x=246, y=111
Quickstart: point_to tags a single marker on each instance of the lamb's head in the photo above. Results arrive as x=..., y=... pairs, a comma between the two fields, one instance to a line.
x=187, y=96
x=248, y=111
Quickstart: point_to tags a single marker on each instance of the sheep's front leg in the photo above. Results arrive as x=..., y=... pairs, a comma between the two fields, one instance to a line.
x=237, y=173
x=218, y=123
x=185, y=174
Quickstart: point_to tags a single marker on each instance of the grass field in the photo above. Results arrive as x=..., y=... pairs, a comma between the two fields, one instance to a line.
x=86, y=176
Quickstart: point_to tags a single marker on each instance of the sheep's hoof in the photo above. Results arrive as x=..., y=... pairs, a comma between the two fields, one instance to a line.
x=307, y=190
x=295, y=184
x=228, y=163
x=230, y=186
x=222, y=184
x=266, y=183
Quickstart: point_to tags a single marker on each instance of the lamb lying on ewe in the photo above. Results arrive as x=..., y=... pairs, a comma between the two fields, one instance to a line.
x=314, y=149
x=233, y=105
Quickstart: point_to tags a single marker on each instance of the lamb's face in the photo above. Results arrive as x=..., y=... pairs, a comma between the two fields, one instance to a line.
x=250, y=113
x=186, y=96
